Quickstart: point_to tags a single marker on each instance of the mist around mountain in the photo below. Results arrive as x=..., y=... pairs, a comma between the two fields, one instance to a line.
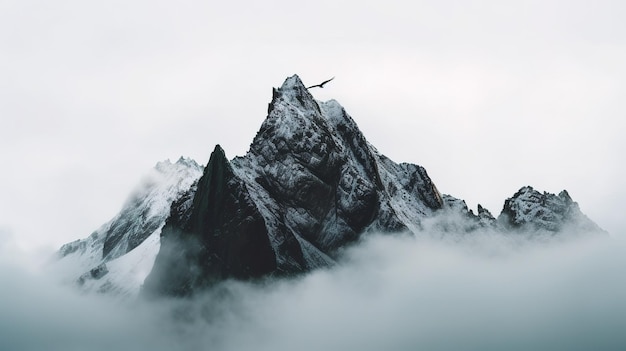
x=436, y=291
x=309, y=187
x=341, y=249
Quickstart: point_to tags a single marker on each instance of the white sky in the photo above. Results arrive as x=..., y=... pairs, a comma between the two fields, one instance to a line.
x=488, y=96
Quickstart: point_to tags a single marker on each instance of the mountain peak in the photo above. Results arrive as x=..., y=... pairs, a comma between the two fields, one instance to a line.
x=220, y=235
x=293, y=94
x=218, y=152
x=292, y=82
x=565, y=196
x=530, y=209
x=309, y=186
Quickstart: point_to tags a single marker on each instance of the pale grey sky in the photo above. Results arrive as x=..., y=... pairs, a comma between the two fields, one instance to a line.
x=488, y=96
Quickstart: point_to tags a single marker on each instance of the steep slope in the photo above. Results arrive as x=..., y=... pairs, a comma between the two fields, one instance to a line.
x=456, y=217
x=328, y=184
x=309, y=185
x=215, y=234
x=119, y=255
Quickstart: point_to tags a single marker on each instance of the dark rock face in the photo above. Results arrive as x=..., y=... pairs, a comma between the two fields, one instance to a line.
x=228, y=224
x=139, y=224
x=531, y=210
x=221, y=235
x=309, y=185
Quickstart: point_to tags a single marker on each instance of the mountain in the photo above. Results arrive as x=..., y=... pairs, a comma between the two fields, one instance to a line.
x=118, y=255
x=530, y=210
x=309, y=186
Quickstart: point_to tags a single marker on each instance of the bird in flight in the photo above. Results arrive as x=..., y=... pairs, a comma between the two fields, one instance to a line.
x=321, y=85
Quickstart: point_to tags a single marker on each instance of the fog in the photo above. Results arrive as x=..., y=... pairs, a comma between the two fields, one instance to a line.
x=487, y=95
x=484, y=291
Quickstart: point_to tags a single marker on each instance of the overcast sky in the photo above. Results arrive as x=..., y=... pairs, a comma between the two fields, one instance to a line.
x=488, y=96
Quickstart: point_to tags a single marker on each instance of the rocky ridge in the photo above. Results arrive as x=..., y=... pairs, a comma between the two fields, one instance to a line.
x=119, y=255
x=530, y=210
x=309, y=185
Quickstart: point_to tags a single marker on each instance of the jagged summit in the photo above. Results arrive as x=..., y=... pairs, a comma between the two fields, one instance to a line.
x=294, y=92
x=220, y=235
x=118, y=255
x=529, y=209
x=309, y=185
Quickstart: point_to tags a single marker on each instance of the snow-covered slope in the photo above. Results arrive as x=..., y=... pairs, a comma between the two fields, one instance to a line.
x=309, y=185
x=530, y=210
x=336, y=184
x=119, y=255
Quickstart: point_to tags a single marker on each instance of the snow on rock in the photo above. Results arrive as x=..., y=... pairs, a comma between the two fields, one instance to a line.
x=531, y=210
x=119, y=254
x=309, y=185
x=123, y=276
x=312, y=180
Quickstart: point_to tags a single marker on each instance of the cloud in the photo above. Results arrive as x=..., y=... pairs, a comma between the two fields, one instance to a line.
x=403, y=294
x=481, y=292
x=37, y=314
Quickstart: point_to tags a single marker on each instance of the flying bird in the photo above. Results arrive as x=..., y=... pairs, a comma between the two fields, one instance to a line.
x=321, y=85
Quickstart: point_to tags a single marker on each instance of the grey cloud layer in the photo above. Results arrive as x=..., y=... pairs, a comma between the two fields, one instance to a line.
x=484, y=292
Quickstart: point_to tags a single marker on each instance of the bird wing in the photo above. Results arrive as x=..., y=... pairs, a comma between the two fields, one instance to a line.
x=326, y=81
x=321, y=85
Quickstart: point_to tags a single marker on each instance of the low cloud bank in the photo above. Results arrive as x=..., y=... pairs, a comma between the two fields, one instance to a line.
x=480, y=292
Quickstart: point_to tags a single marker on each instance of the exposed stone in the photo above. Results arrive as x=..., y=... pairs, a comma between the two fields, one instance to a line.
x=531, y=210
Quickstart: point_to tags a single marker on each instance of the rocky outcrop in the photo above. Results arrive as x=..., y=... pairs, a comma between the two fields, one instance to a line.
x=325, y=182
x=221, y=235
x=530, y=210
x=457, y=217
x=141, y=217
x=309, y=185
